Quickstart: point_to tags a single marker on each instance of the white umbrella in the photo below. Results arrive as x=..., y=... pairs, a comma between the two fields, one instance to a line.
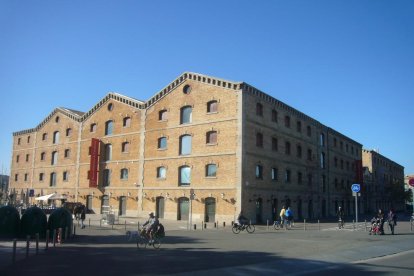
x=58, y=196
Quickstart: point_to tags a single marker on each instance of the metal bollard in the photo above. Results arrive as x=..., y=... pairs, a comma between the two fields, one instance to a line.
x=304, y=225
x=27, y=245
x=205, y=225
x=224, y=224
x=54, y=237
x=365, y=225
x=37, y=243
x=100, y=223
x=47, y=239
x=353, y=223
x=125, y=225
x=195, y=226
x=14, y=250
x=319, y=226
x=267, y=224
x=89, y=222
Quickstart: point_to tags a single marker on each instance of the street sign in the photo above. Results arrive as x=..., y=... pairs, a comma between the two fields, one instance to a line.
x=355, y=188
x=411, y=182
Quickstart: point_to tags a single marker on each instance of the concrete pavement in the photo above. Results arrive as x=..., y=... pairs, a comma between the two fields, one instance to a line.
x=104, y=249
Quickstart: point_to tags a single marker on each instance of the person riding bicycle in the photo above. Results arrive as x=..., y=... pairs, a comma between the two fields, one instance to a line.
x=151, y=225
x=289, y=216
x=282, y=216
x=241, y=219
x=340, y=214
x=380, y=217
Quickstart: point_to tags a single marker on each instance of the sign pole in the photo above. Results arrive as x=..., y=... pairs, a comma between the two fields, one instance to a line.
x=356, y=207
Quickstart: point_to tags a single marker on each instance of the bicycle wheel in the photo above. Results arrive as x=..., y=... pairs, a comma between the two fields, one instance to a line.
x=250, y=228
x=142, y=242
x=156, y=243
x=276, y=225
x=236, y=229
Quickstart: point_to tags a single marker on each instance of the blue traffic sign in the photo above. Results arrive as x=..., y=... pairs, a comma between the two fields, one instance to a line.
x=355, y=188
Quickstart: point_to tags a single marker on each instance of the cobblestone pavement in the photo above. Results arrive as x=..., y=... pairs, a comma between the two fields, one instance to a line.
x=307, y=248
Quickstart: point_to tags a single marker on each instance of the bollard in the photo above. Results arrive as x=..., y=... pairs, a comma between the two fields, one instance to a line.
x=195, y=226
x=205, y=225
x=267, y=224
x=74, y=230
x=125, y=225
x=47, y=239
x=138, y=225
x=37, y=244
x=89, y=222
x=100, y=223
x=217, y=225
x=27, y=245
x=224, y=224
x=365, y=225
x=54, y=237
x=14, y=250
x=319, y=226
x=353, y=223
x=304, y=225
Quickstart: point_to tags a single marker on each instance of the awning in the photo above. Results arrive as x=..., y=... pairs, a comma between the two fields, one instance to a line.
x=45, y=197
x=51, y=197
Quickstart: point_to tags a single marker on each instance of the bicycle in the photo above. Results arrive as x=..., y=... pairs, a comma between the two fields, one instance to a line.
x=237, y=228
x=341, y=223
x=277, y=225
x=288, y=224
x=144, y=240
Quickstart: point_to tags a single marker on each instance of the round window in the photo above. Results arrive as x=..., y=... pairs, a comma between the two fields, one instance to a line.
x=187, y=89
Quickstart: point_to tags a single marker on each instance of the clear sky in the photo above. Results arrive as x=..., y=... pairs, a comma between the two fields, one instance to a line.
x=348, y=64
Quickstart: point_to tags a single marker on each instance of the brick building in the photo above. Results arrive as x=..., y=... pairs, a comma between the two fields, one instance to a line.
x=202, y=148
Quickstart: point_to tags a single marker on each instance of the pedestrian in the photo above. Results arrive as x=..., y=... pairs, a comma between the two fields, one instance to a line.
x=392, y=220
x=340, y=214
x=282, y=215
x=82, y=217
x=380, y=217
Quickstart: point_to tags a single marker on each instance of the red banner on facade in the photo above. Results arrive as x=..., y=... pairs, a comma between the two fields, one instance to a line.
x=93, y=169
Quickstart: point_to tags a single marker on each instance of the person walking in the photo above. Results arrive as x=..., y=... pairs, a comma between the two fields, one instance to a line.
x=83, y=217
x=340, y=214
x=392, y=220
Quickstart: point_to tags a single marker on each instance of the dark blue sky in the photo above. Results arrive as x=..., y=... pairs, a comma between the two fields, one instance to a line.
x=348, y=64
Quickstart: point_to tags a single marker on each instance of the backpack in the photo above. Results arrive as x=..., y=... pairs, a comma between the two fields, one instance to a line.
x=160, y=231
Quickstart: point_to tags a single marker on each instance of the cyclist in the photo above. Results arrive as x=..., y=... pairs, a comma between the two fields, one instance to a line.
x=241, y=219
x=340, y=214
x=289, y=217
x=282, y=216
x=150, y=226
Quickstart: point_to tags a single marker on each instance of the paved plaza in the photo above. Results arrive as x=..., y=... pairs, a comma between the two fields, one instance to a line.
x=311, y=249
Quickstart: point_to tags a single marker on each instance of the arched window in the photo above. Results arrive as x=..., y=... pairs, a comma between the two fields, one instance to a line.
x=185, y=144
x=211, y=170
x=211, y=137
x=259, y=172
x=287, y=148
x=42, y=156
x=161, y=172
x=212, y=107
x=55, y=137
x=67, y=153
x=163, y=115
x=259, y=109
x=287, y=121
x=109, y=127
x=44, y=136
x=108, y=152
x=68, y=131
x=162, y=143
x=126, y=122
x=125, y=146
x=186, y=115
x=185, y=176
x=259, y=140
x=124, y=174
x=93, y=128
x=54, y=158
x=52, y=182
